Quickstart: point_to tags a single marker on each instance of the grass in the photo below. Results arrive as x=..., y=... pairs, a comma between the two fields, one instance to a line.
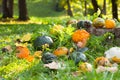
x=42, y=19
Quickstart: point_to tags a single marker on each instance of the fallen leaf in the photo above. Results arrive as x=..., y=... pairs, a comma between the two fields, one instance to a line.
x=53, y=65
x=7, y=48
x=77, y=73
x=26, y=37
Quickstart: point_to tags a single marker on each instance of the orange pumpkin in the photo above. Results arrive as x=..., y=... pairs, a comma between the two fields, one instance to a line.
x=23, y=52
x=80, y=35
x=60, y=51
x=109, y=23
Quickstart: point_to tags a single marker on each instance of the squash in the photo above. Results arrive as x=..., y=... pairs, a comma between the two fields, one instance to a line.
x=42, y=40
x=80, y=35
x=102, y=61
x=99, y=22
x=84, y=24
x=48, y=57
x=23, y=52
x=78, y=56
x=60, y=51
x=109, y=24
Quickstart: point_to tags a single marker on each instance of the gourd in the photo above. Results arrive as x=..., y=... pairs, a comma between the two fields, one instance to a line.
x=80, y=35
x=99, y=22
x=42, y=40
x=23, y=52
x=109, y=23
x=60, y=51
x=48, y=57
x=78, y=56
x=84, y=24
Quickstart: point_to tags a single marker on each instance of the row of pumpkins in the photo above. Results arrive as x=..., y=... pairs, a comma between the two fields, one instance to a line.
x=97, y=23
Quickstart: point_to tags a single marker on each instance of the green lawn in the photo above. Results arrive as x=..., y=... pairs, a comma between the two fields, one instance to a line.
x=43, y=18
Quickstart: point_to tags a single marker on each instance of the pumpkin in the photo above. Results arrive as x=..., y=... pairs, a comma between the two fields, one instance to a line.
x=48, y=58
x=109, y=23
x=60, y=51
x=102, y=61
x=77, y=57
x=80, y=35
x=23, y=52
x=99, y=22
x=42, y=40
x=84, y=24
x=56, y=29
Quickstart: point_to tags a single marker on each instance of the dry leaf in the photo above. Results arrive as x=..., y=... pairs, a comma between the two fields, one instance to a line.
x=77, y=73
x=110, y=69
x=21, y=44
x=26, y=37
x=53, y=65
x=7, y=48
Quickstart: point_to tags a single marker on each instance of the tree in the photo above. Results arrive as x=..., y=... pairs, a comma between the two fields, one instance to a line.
x=95, y=5
x=104, y=7
x=114, y=9
x=69, y=11
x=7, y=7
x=23, y=15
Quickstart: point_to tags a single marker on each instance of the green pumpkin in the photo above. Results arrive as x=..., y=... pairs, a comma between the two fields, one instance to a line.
x=48, y=57
x=84, y=24
x=78, y=56
x=42, y=40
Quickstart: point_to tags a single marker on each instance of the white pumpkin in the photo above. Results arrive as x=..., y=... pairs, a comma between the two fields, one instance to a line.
x=113, y=52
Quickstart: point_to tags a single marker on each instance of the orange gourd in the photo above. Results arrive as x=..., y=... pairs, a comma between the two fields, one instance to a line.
x=60, y=51
x=109, y=23
x=23, y=52
x=80, y=35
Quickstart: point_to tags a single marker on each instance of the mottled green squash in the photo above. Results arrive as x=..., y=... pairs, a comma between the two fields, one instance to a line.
x=42, y=40
x=48, y=57
x=78, y=56
x=84, y=24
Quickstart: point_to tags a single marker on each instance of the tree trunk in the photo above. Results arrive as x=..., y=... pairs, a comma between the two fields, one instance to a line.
x=114, y=9
x=104, y=7
x=7, y=7
x=22, y=10
x=69, y=11
x=95, y=5
x=85, y=7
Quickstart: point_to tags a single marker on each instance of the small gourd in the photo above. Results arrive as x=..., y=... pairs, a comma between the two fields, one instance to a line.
x=109, y=23
x=60, y=51
x=99, y=22
x=48, y=57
